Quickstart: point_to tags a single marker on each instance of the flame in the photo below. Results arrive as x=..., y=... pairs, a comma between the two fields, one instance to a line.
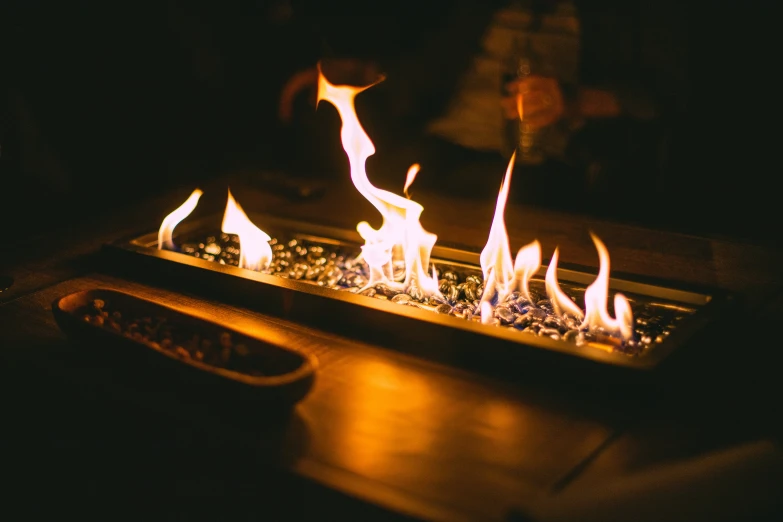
x=519, y=107
x=486, y=312
x=561, y=303
x=597, y=296
x=526, y=265
x=496, y=262
x=412, y=171
x=172, y=220
x=255, y=252
x=401, y=236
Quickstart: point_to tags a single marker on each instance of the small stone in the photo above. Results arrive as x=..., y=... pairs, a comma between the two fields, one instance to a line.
x=314, y=272
x=522, y=321
x=358, y=280
x=505, y=315
x=571, y=322
x=166, y=343
x=444, y=285
x=533, y=329
x=401, y=298
x=553, y=333
x=241, y=349
x=212, y=249
x=555, y=322
x=443, y=308
x=225, y=340
x=451, y=276
x=96, y=320
x=182, y=352
x=435, y=300
x=385, y=290
x=98, y=304
x=330, y=277
x=369, y=292
x=299, y=271
x=537, y=314
x=473, y=279
x=470, y=289
x=453, y=293
x=416, y=293
x=513, y=296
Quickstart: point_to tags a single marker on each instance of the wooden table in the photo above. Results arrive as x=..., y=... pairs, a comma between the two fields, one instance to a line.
x=382, y=434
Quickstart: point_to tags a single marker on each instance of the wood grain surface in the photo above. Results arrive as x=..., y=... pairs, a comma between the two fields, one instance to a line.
x=381, y=427
x=414, y=436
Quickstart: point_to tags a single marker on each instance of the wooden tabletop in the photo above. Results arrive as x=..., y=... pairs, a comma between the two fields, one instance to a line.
x=383, y=428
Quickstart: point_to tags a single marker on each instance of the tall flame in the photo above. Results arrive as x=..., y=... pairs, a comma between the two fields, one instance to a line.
x=412, y=171
x=561, y=303
x=172, y=220
x=496, y=256
x=526, y=265
x=401, y=236
x=254, y=250
x=597, y=296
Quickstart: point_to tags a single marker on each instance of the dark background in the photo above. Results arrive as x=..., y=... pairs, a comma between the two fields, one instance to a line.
x=103, y=103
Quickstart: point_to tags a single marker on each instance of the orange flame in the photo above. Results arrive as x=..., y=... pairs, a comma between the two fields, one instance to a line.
x=526, y=265
x=596, y=298
x=254, y=250
x=412, y=171
x=496, y=256
x=561, y=303
x=172, y=220
x=401, y=234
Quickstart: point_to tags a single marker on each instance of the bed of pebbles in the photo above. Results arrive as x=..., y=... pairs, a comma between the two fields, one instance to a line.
x=336, y=267
x=158, y=332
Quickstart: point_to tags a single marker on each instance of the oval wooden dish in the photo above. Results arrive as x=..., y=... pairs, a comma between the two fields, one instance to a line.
x=203, y=359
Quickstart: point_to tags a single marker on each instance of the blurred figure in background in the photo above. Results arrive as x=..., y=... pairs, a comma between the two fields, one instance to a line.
x=600, y=84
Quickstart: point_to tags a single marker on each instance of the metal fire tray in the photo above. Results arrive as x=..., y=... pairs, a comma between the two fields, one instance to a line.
x=421, y=332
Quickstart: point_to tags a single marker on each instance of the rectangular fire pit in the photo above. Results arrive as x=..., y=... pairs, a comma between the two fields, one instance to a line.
x=314, y=293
